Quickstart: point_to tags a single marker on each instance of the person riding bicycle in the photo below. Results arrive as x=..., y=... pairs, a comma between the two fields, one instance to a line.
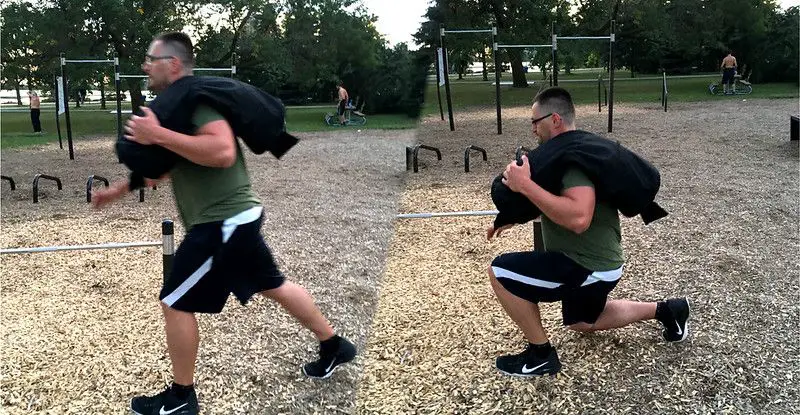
x=728, y=67
x=343, y=99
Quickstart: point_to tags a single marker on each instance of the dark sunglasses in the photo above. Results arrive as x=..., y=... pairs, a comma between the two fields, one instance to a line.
x=535, y=120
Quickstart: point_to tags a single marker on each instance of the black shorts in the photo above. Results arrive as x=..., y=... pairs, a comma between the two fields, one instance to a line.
x=341, y=107
x=219, y=258
x=727, y=75
x=552, y=276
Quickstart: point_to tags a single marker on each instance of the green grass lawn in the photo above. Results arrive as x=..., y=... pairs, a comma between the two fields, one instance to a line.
x=468, y=93
x=16, y=130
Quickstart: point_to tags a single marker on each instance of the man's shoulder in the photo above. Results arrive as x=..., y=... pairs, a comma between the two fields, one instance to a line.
x=205, y=114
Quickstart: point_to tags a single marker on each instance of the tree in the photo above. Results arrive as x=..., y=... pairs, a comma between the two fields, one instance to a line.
x=17, y=29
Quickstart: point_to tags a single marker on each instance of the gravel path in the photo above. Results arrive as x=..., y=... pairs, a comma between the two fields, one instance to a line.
x=82, y=331
x=730, y=183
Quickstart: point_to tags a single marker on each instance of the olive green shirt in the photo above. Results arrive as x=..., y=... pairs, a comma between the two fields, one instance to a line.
x=209, y=194
x=599, y=248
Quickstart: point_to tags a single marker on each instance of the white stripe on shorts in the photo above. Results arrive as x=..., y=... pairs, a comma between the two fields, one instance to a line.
x=188, y=284
x=504, y=273
x=231, y=223
x=228, y=226
x=607, y=276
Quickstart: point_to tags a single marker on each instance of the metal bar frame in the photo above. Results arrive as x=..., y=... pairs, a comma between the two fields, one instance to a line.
x=442, y=33
x=583, y=37
x=492, y=30
x=524, y=46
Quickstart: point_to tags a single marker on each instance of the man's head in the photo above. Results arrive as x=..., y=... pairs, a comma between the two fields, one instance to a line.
x=552, y=113
x=169, y=58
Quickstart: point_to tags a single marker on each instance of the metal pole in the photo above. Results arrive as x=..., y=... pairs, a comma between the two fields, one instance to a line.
x=497, y=88
x=438, y=81
x=446, y=79
x=599, y=79
x=58, y=122
x=611, y=80
x=168, y=242
x=555, y=53
x=118, y=86
x=496, y=81
x=79, y=247
x=66, y=106
x=524, y=46
x=585, y=37
x=664, y=93
x=470, y=31
x=446, y=214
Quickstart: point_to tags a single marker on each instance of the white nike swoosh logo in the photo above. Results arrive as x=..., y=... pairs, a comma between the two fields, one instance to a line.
x=680, y=331
x=526, y=370
x=330, y=366
x=163, y=412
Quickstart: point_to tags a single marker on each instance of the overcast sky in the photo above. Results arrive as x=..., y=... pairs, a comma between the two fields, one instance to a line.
x=399, y=19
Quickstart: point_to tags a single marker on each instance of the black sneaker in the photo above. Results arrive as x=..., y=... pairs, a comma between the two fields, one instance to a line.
x=165, y=403
x=526, y=364
x=330, y=359
x=676, y=324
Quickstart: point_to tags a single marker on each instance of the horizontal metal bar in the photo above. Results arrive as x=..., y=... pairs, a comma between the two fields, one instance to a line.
x=584, y=37
x=525, y=46
x=446, y=214
x=134, y=76
x=470, y=31
x=213, y=69
x=89, y=60
x=79, y=247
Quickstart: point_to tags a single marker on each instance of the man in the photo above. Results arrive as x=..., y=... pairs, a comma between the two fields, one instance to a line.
x=582, y=261
x=728, y=73
x=343, y=99
x=35, y=104
x=223, y=250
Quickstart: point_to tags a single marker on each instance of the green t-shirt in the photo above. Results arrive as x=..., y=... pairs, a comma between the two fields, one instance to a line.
x=208, y=194
x=599, y=248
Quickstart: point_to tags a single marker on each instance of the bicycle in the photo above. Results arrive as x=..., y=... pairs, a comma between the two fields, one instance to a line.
x=739, y=87
x=352, y=116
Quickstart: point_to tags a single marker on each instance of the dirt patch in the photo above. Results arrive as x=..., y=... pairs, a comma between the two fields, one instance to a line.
x=82, y=331
x=730, y=183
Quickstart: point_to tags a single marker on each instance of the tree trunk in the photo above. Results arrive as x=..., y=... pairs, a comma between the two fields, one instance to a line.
x=517, y=75
x=102, y=95
x=19, y=96
x=485, y=73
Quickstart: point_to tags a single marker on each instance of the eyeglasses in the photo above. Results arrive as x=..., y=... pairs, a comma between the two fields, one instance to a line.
x=536, y=120
x=149, y=59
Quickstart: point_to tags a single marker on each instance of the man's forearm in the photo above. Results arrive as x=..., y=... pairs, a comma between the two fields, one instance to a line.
x=197, y=149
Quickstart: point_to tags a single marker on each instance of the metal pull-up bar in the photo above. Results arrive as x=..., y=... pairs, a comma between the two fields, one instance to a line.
x=442, y=33
x=65, y=80
x=492, y=31
x=498, y=46
x=611, y=38
x=584, y=37
x=232, y=69
x=88, y=60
